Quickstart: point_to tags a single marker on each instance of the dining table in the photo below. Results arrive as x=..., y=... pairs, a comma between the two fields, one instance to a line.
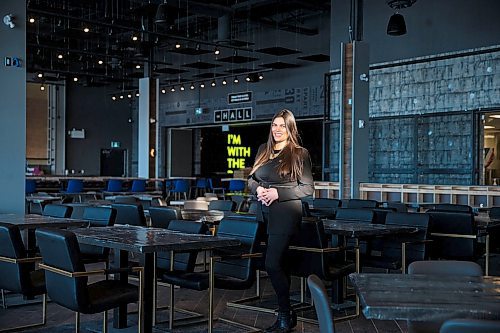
x=147, y=241
x=419, y=297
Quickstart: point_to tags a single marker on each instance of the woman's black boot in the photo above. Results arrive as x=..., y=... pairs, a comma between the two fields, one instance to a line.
x=283, y=323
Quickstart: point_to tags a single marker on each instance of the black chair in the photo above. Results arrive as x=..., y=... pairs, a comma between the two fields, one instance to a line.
x=235, y=270
x=312, y=255
x=161, y=216
x=454, y=235
x=400, y=207
x=439, y=267
x=446, y=207
x=130, y=214
x=55, y=210
x=361, y=203
x=326, y=203
x=77, y=210
x=17, y=270
x=223, y=205
x=470, y=325
x=67, y=279
x=97, y=217
x=126, y=199
x=391, y=255
x=355, y=215
x=321, y=304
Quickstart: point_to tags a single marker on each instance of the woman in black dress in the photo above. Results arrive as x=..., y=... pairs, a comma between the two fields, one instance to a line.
x=280, y=177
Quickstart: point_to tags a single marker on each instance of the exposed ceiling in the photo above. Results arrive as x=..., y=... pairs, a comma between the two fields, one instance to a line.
x=117, y=41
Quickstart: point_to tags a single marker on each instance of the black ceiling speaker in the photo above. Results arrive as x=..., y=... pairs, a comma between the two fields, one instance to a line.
x=397, y=25
x=161, y=13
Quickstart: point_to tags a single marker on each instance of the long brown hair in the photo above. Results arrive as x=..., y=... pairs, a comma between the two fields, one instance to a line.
x=291, y=157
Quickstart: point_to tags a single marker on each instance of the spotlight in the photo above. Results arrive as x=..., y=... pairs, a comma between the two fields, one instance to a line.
x=32, y=20
x=86, y=29
x=100, y=62
x=172, y=89
x=135, y=38
x=202, y=85
x=213, y=83
x=396, y=25
x=261, y=76
x=163, y=91
x=177, y=45
x=224, y=82
x=59, y=56
x=248, y=79
x=137, y=94
x=138, y=66
x=40, y=75
x=182, y=88
x=236, y=80
x=191, y=87
x=121, y=97
x=42, y=87
x=113, y=98
x=161, y=13
x=216, y=51
x=75, y=79
x=129, y=95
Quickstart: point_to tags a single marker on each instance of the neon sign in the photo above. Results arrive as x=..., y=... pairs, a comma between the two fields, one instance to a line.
x=236, y=153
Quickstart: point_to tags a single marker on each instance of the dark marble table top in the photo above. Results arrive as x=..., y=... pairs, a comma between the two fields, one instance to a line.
x=427, y=297
x=363, y=229
x=33, y=221
x=148, y=240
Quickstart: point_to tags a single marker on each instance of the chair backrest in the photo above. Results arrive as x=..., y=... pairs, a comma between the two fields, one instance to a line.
x=446, y=207
x=182, y=261
x=470, y=325
x=56, y=210
x=77, y=210
x=114, y=185
x=361, y=203
x=60, y=250
x=253, y=207
x=242, y=270
x=74, y=186
x=445, y=267
x=223, y=205
x=241, y=203
x=326, y=203
x=201, y=183
x=321, y=304
x=352, y=214
x=138, y=185
x=129, y=214
x=126, y=199
x=13, y=276
x=236, y=185
x=181, y=185
x=391, y=247
x=453, y=223
x=161, y=216
x=399, y=206
x=30, y=186
x=494, y=213
x=99, y=216
x=196, y=205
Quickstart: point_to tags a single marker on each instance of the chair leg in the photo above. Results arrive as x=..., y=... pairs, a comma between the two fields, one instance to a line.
x=140, y=301
x=43, y=322
x=77, y=322
x=105, y=322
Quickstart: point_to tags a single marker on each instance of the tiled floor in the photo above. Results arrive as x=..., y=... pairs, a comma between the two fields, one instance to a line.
x=61, y=320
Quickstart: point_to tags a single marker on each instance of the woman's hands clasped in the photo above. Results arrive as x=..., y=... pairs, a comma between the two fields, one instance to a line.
x=267, y=195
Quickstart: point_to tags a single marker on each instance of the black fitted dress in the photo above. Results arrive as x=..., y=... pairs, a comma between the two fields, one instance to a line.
x=283, y=218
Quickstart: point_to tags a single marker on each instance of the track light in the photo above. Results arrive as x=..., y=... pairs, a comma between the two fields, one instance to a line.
x=224, y=82
x=182, y=88
x=236, y=80
x=202, y=85
x=121, y=97
x=75, y=79
x=213, y=83
x=396, y=25
x=191, y=87
x=42, y=87
x=172, y=89
x=261, y=76
x=129, y=95
x=163, y=91
x=216, y=51
x=86, y=29
x=113, y=98
x=137, y=94
x=248, y=79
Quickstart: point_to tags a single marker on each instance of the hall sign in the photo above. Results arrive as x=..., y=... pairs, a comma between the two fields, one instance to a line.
x=242, y=97
x=237, y=153
x=231, y=115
